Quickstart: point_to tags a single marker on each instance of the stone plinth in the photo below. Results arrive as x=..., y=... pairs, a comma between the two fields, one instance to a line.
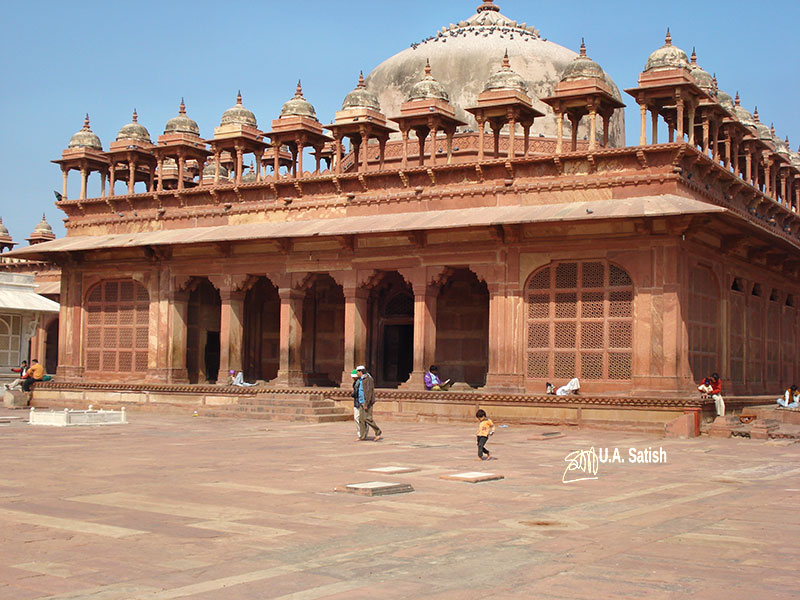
x=724, y=427
x=68, y=418
x=684, y=426
x=376, y=488
x=15, y=399
x=761, y=429
x=472, y=477
x=393, y=470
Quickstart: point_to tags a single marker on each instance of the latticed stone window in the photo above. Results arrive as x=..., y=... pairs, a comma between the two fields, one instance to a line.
x=117, y=323
x=580, y=322
x=703, y=323
x=10, y=338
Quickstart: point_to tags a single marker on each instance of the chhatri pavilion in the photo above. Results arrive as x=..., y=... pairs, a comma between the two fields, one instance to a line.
x=472, y=204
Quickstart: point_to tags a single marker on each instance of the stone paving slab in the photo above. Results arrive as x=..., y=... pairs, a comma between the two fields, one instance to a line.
x=393, y=470
x=375, y=488
x=472, y=477
x=214, y=509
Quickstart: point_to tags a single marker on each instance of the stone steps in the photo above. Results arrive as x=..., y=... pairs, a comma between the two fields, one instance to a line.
x=309, y=409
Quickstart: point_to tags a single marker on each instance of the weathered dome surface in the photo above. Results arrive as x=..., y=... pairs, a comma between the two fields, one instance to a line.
x=506, y=79
x=210, y=169
x=182, y=123
x=742, y=113
x=428, y=88
x=704, y=81
x=298, y=106
x=238, y=115
x=761, y=129
x=134, y=131
x=361, y=97
x=43, y=226
x=85, y=138
x=725, y=100
x=464, y=56
x=249, y=175
x=583, y=67
x=667, y=57
x=4, y=234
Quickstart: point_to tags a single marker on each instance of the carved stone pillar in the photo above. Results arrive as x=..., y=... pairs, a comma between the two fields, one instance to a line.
x=158, y=289
x=425, y=299
x=355, y=330
x=291, y=335
x=231, y=333
x=178, y=320
x=643, y=130
x=70, y=366
x=506, y=347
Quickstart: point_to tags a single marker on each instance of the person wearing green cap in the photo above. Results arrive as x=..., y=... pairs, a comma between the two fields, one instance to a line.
x=354, y=375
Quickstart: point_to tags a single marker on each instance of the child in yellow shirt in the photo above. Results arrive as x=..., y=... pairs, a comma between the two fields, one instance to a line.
x=485, y=429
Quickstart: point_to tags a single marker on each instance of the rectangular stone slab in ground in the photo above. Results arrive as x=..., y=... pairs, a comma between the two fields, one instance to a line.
x=393, y=470
x=546, y=435
x=472, y=477
x=376, y=488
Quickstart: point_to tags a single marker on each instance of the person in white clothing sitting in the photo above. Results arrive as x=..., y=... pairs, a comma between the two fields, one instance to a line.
x=791, y=398
x=571, y=388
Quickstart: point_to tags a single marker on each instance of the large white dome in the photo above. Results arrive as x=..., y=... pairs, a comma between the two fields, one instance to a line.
x=464, y=55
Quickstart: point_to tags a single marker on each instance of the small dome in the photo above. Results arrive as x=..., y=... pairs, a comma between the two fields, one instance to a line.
x=428, y=88
x=85, y=138
x=583, y=67
x=134, y=131
x=298, y=106
x=742, y=113
x=667, y=57
x=41, y=233
x=249, y=175
x=210, y=168
x=238, y=115
x=182, y=123
x=43, y=226
x=761, y=129
x=361, y=97
x=506, y=79
x=725, y=99
x=5, y=236
x=704, y=81
x=781, y=146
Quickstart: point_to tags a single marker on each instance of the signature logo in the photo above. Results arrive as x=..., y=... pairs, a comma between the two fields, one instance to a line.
x=581, y=465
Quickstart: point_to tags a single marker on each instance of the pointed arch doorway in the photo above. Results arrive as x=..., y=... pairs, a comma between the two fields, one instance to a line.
x=391, y=333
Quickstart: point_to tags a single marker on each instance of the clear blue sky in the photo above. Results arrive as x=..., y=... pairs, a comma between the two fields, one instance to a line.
x=63, y=59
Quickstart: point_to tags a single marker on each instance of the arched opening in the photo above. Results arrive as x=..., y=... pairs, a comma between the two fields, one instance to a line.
x=322, y=355
x=462, y=328
x=703, y=323
x=202, y=333
x=391, y=330
x=580, y=323
x=262, y=321
x=51, y=347
x=117, y=329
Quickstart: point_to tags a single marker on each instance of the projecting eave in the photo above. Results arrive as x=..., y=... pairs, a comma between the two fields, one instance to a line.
x=641, y=207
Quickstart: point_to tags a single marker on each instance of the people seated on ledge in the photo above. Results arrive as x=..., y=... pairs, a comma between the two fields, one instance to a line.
x=237, y=379
x=23, y=374
x=572, y=388
x=35, y=373
x=433, y=383
x=712, y=386
x=791, y=398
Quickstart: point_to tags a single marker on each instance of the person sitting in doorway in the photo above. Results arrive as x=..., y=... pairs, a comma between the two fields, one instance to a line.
x=571, y=388
x=23, y=374
x=791, y=398
x=433, y=383
x=237, y=379
x=35, y=373
x=712, y=386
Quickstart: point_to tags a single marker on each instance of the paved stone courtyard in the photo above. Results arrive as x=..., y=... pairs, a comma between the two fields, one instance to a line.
x=180, y=507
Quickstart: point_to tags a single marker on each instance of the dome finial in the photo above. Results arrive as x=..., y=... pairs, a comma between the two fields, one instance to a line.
x=714, y=79
x=694, y=56
x=134, y=117
x=583, y=47
x=488, y=5
x=668, y=38
x=299, y=91
x=86, y=122
x=755, y=115
x=736, y=100
x=182, y=108
x=427, y=67
x=239, y=98
x=772, y=129
x=361, y=83
x=506, y=63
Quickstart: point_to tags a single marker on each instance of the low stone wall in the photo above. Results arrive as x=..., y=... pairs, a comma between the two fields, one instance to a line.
x=621, y=413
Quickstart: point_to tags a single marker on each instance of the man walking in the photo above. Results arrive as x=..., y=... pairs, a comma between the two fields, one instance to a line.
x=365, y=389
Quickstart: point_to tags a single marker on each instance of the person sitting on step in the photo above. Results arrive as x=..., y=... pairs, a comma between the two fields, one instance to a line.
x=791, y=398
x=433, y=383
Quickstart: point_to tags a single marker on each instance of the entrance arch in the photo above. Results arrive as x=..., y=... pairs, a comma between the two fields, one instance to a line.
x=322, y=345
x=51, y=346
x=202, y=332
x=262, y=321
x=391, y=330
x=462, y=328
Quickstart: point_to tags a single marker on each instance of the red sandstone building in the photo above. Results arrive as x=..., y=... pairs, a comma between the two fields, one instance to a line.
x=505, y=234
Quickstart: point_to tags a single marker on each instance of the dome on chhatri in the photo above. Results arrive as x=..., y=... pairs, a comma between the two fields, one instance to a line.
x=43, y=226
x=583, y=67
x=85, y=138
x=249, y=175
x=667, y=57
x=428, y=88
x=238, y=115
x=725, y=99
x=5, y=236
x=465, y=54
x=506, y=79
x=134, y=131
x=42, y=232
x=742, y=113
x=704, y=81
x=361, y=97
x=182, y=123
x=298, y=106
x=210, y=169
x=761, y=129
